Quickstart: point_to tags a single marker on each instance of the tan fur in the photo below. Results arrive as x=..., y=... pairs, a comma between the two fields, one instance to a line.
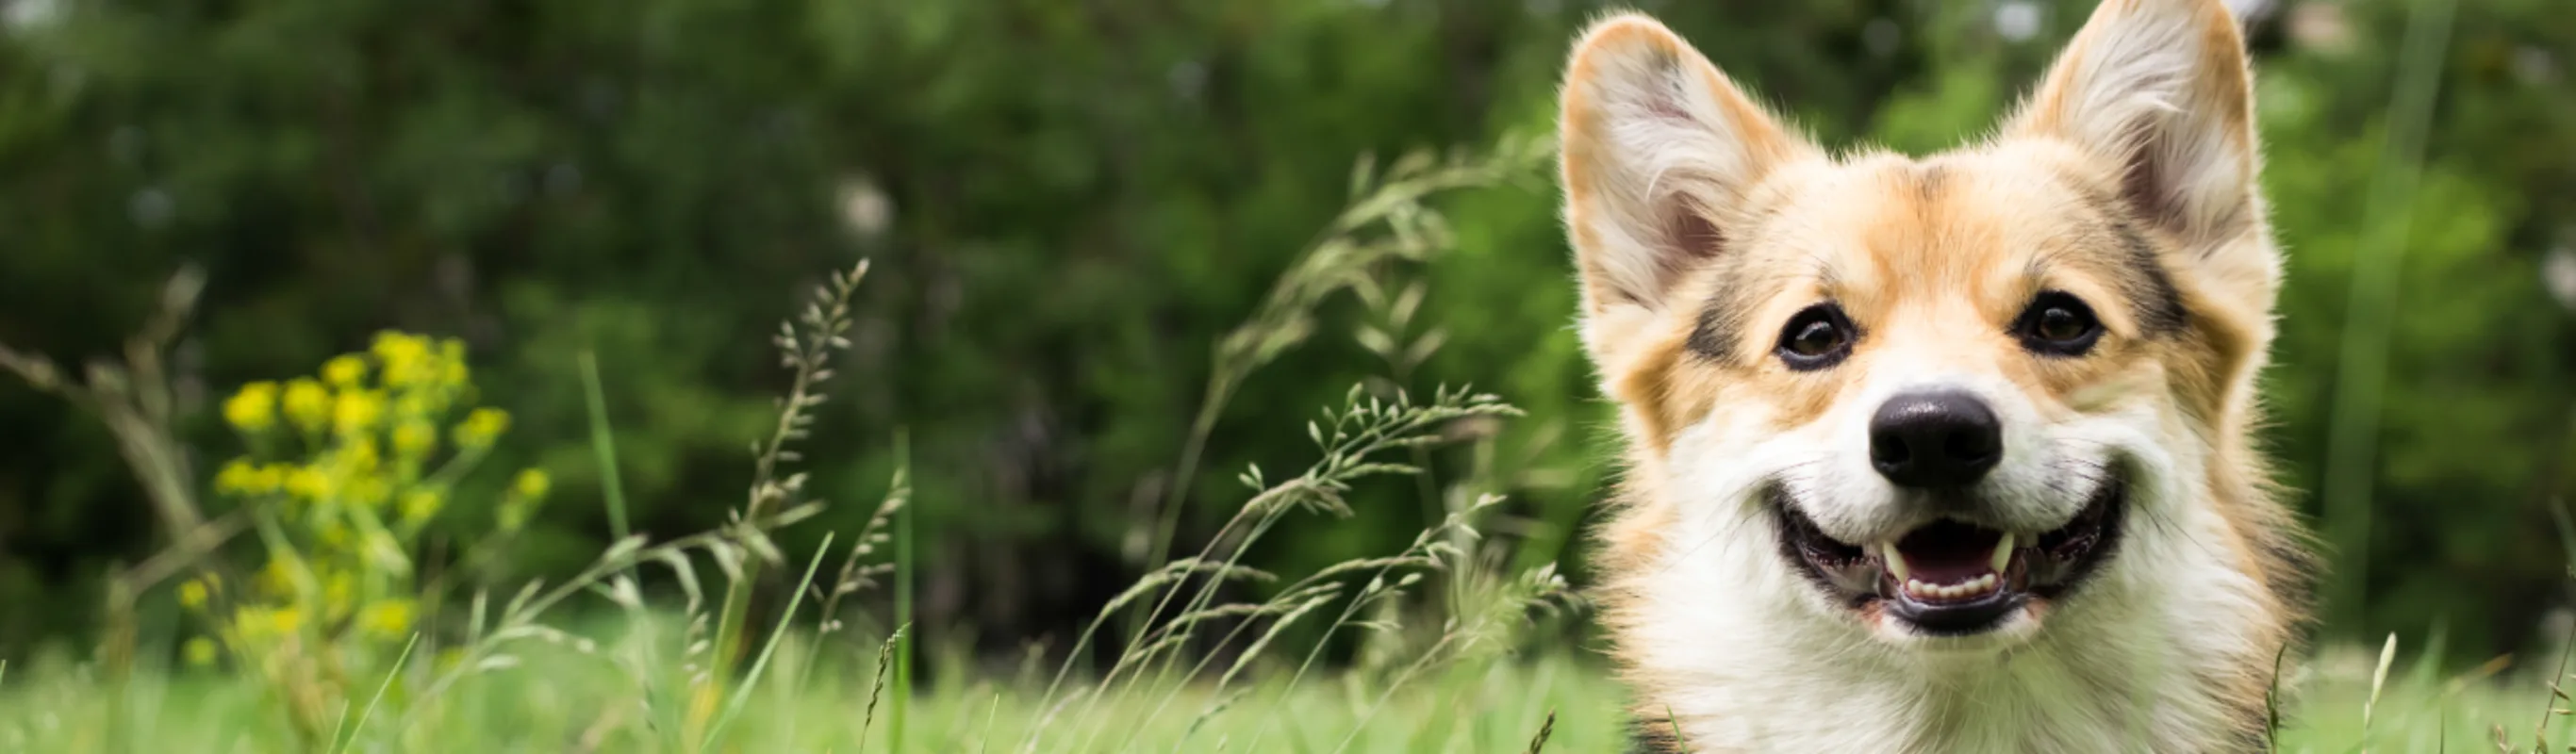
x=1934, y=258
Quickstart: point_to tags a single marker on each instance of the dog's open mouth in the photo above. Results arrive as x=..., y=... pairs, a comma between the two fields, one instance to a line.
x=1951, y=577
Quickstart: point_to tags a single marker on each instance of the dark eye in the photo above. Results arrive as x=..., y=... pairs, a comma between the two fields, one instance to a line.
x=1818, y=337
x=2058, y=324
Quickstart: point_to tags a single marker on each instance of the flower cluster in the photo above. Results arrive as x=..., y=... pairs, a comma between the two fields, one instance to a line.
x=346, y=470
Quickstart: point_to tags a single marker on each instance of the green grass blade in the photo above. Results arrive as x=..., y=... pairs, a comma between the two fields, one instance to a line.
x=2378, y=681
x=1544, y=729
x=885, y=664
x=899, y=709
x=604, y=442
x=989, y=711
x=751, y=681
x=396, y=672
x=2361, y=371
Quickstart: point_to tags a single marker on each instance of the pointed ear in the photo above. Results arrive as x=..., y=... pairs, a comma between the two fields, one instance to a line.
x=2159, y=89
x=1659, y=150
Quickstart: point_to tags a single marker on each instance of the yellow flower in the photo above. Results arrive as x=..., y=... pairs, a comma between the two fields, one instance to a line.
x=357, y=411
x=417, y=405
x=308, y=483
x=531, y=483
x=345, y=370
x=419, y=506
x=414, y=440
x=339, y=595
x=269, y=478
x=308, y=404
x=278, y=577
x=239, y=477
x=262, y=623
x=482, y=427
x=200, y=651
x=192, y=594
x=360, y=456
x=253, y=408
x=369, y=491
x=448, y=368
x=390, y=619
x=526, y=491
x=406, y=357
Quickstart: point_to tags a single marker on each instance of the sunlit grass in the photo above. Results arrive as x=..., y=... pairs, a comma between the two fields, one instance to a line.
x=568, y=701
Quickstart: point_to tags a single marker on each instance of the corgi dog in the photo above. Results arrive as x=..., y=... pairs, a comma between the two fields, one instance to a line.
x=1938, y=454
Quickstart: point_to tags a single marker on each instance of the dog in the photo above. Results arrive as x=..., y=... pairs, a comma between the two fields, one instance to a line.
x=1938, y=454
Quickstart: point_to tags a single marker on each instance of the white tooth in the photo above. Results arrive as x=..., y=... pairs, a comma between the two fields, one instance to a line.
x=1917, y=588
x=1948, y=592
x=1895, y=561
x=1983, y=584
x=2003, y=553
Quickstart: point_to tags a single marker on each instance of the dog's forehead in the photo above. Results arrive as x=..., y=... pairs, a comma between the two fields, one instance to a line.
x=1888, y=222
x=1973, y=230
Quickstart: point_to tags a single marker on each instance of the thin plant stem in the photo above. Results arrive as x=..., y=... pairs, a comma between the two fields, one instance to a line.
x=2361, y=372
x=603, y=442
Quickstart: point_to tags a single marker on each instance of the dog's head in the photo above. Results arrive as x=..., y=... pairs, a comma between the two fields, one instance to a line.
x=1953, y=391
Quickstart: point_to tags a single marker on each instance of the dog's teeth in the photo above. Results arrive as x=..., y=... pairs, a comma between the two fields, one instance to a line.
x=1895, y=561
x=1981, y=585
x=2003, y=553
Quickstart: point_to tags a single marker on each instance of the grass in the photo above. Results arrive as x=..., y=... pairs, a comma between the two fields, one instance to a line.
x=569, y=701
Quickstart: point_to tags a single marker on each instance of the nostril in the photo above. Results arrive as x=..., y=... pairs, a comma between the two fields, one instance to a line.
x=1887, y=448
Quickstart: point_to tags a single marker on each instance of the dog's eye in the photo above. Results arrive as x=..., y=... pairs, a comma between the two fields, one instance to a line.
x=1820, y=336
x=2058, y=324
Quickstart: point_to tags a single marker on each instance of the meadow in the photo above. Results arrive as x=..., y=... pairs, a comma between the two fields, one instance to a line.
x=359, y=631
x=1007, y=376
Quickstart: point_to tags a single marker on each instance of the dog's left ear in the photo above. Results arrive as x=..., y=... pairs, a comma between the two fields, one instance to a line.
x=2159, y=89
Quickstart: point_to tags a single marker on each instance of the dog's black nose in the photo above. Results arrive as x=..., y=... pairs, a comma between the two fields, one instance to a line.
x=1943, y=438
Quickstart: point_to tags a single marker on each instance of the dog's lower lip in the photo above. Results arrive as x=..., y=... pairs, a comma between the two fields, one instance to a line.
x=1947, y=594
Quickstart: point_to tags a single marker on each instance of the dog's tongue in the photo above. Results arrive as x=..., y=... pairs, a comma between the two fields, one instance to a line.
x=1949, y=552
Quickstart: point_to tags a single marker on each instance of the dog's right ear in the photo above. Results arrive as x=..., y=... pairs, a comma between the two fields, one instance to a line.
x=1659, y=150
